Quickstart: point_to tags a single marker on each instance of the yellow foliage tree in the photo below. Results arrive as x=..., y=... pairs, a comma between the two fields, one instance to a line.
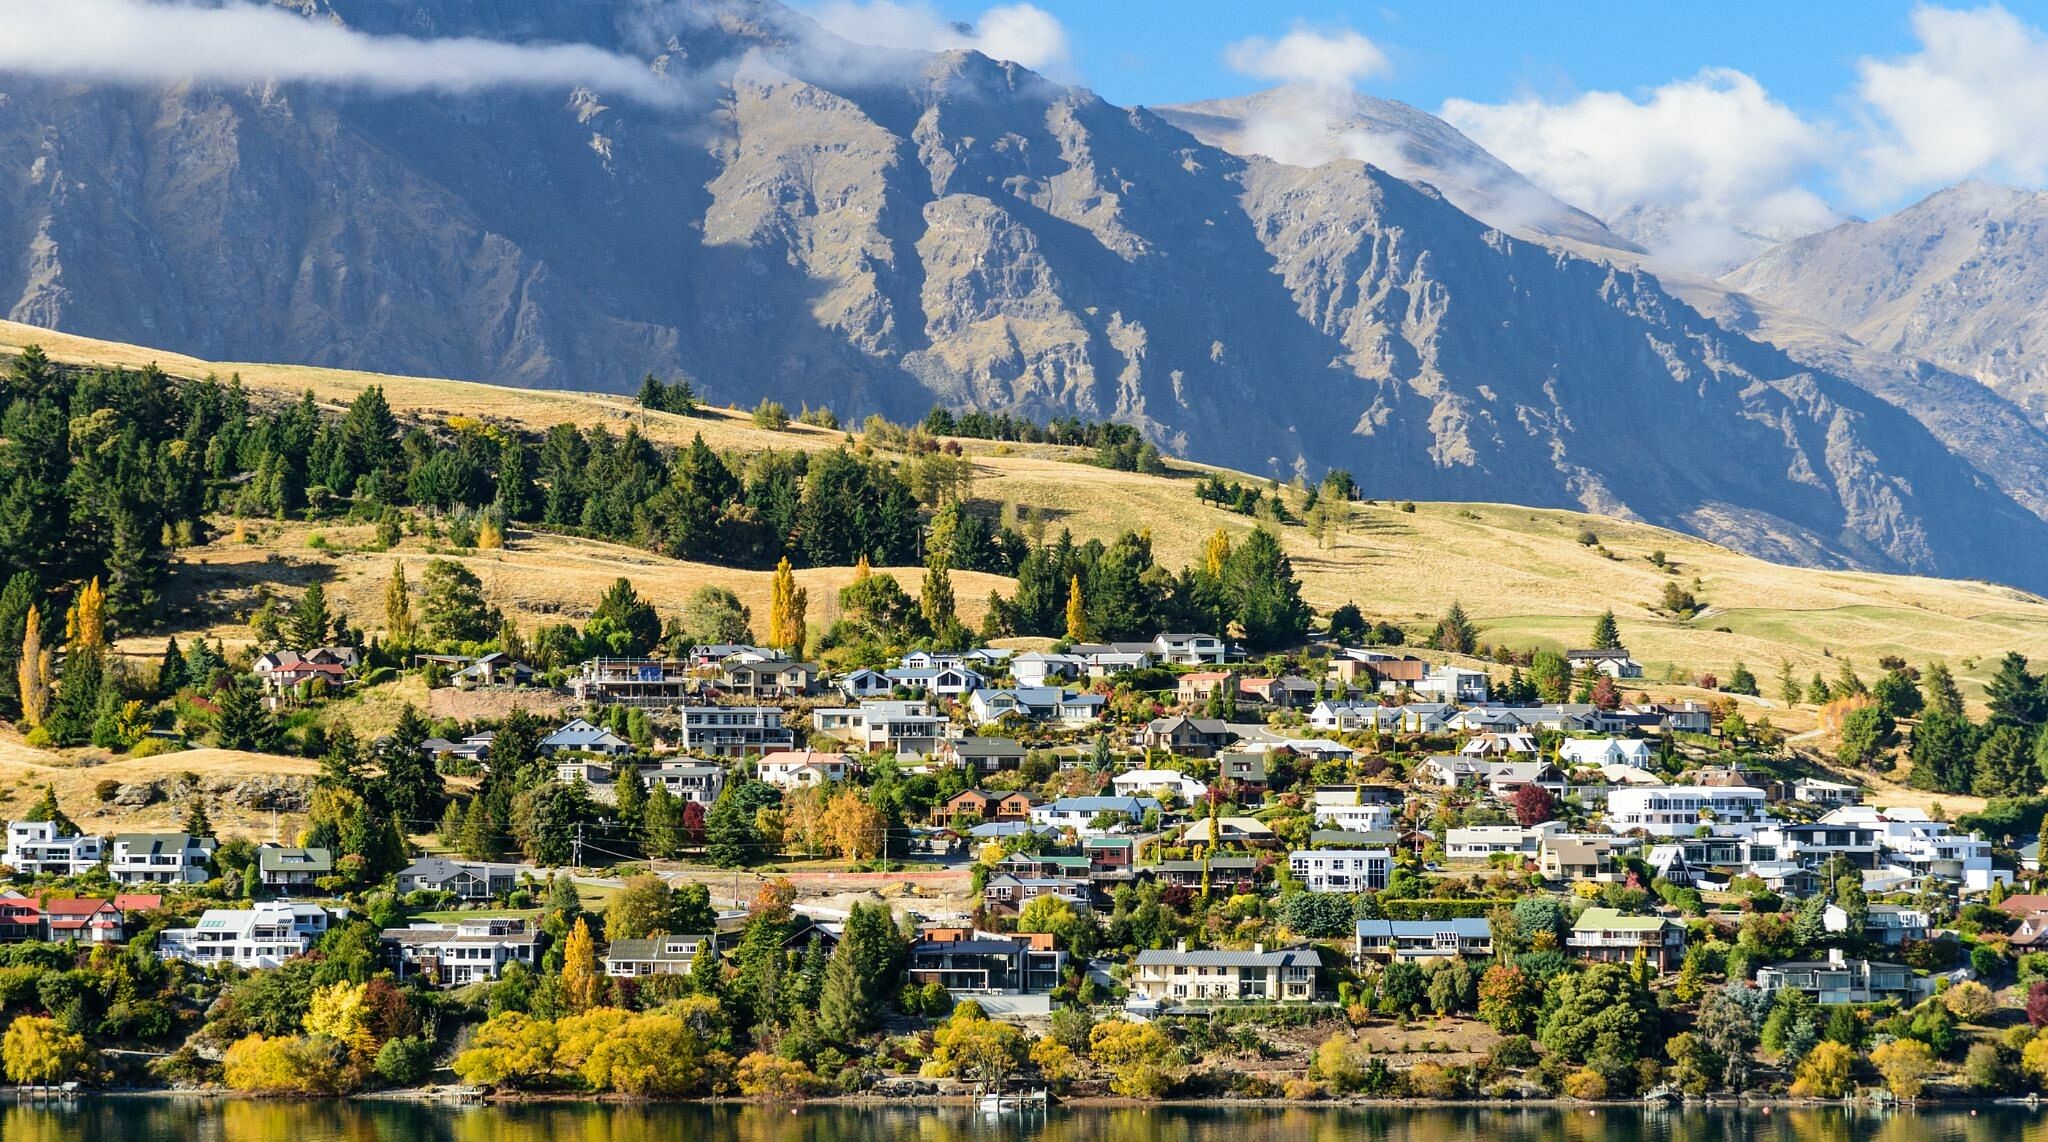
x=855, y=828
x=1138, y=1056
x=37, y=1049
x=340, y=1012
x=1905, y=1065
x=85, y=625
x=1216, y=551
x=580, y=1039
x=510, y=1048
x=1055, y=1062
x=787, y=603
x=762, y=1075
x=861, y=570
x=284, y=1065
x=1077, y=612
x=1824, y=1072
x=803, y=820
x=1585, y=1084
x=582, y=983
x=490, y=536
x=2034, y=1059
x=33, y=673
x=974, y=1047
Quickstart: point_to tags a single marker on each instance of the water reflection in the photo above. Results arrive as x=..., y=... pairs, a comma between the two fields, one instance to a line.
x=203, y=1120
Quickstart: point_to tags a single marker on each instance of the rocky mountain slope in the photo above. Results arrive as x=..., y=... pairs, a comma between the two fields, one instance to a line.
x=879, y=231
x=1309, y=126
x=1956, y=279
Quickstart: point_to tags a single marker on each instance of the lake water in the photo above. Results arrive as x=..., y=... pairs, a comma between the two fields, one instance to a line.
x=191, y=1120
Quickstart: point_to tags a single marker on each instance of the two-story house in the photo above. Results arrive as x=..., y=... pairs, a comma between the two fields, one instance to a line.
x=1838, y=979
x=1180, y=976
x=1605, y=935
x=463, y=952
x=1423, y=940
x=161, y=858
x=38, y=847
x=287, y=870
x=661, y=954
x=264, y=936
x=1187, y=737
x=1341, y=870
x=734, y=731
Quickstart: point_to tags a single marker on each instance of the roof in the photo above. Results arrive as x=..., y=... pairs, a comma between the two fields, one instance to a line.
x=273, y=859
x=656, y=949
x=1470, y=928
x=971, y=947
x=1609, y=920
x=1290, y=957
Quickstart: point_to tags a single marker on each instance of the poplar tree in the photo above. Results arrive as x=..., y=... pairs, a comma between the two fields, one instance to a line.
x=1077, y=612
x=33, y=672
x=398, y=623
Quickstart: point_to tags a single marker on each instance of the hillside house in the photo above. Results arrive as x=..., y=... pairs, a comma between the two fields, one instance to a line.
x=264, y=936
x=768, y=680
x=803, y=769
x=1614, y=663
x=160, y=858
x=1838, y=979
x=467, y=951
x=1341, y=870
x=288, y=870
x=734, y=731
x=662, y=954
x=465, y=880
x=1607, y=936
x=1187, y=737
x=580, y=736
x=1181, y=976
x=981, y=755
x=1421, y=941
x=646, y=682
x=37, y=847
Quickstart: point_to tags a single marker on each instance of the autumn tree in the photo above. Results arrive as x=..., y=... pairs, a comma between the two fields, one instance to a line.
x=33, y=673
x=856, y=828
x=1077, y=612
x=786, y=605
x=38, y=1050
x=582, y=981
x=1534, y=805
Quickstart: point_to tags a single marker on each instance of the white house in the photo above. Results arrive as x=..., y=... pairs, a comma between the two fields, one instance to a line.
x=1483, y=842
x=1341, y=870
x=1079, y=813
x=161, y=858
x=1453, y=684
x=261, y=937
x=1039, y=704
x=1613, y=662
x=579, y=736
x=1516, y=743
x=940, y=681
x=1037, y=668
x=1604, y=751
x=689, y=780
x=463, y=952
x=802, y=769
x=1354, y=817
x=1680, y=810
x=35, y=847
x=1191, y=649
x=1156, y=782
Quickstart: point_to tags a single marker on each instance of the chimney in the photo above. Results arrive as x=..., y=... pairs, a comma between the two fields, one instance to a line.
x=1180, y=945
x=1259, y=949
x=1835, y=959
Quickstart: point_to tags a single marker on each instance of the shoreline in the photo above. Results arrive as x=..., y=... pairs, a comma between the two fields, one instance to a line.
x=437, y=1097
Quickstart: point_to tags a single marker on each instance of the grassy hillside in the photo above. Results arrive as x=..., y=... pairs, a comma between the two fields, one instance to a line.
x=1523, y=573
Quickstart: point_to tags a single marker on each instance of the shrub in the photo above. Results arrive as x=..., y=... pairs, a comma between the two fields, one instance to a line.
x=762, y=1075
x=1969, y=1001
x=1585, y=1084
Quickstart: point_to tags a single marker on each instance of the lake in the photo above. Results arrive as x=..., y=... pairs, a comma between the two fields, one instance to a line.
x=193, y=1120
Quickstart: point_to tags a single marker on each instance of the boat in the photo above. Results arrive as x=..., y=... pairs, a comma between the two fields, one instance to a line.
x=1015, y=1102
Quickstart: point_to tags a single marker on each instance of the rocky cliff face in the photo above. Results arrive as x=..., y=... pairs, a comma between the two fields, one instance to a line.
x=1956, y=279
x=880, y=232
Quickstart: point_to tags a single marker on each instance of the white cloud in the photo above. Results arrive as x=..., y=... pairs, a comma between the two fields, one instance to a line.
x=137, y=42
x=1972, y=102
x=1332, y=59
x=1021, y=33
x=1702, y=166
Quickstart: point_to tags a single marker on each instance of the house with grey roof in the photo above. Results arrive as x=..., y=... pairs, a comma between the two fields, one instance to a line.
x=465, y=879
x=464, y=952
x=1179, y=976
x=661, y=954
x=1421, y=940
x=579, y=736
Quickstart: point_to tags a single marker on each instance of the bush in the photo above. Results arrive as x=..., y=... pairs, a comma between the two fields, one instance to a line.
x=771, y=415
x=405, y=1062
x=1969, y=1001
x=152, y=747
x=105, y=790
x=1585, y=1084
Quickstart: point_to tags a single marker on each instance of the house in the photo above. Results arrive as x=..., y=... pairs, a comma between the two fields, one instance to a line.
x=1288, y=692
x=496, y=669
x=1838, y=979
x=588, y=770
x=1484, y=842
x=1423, y=940
x=280, y=670
x=83, y=921
x=981, y=755
x=1221, y=870
x=472, y=749
x=1187, y=737
x=865, y=683
x=1040, y=704
x=1686, y=717
x=1367, y=817
x=1607, y=936
x=291, y=870
x=646, y=682
x=686, y=779
x=1514, y=743
x=20, y=917
x=768, y=679
x=1453, y=684
x=1613, y=662
x=1341, y=870
x=1009, y=894
x=1577, y=857
x=1045, y=866
x=1339, y=715
x=1197, y=687
x=938, y=681
x=989, y=807
x=1889, y=925
x=734, y=731
x=161, y=858
x=1245, y=770
x=1814, y=791
x=465, y=880
x=884, y=726
x=1504, y=779
x=37, y=847
x=966, y=962
x=805, y=769
x=1920, y=846
x=662, y=954
x=1450, y=771
x=1110, y=856
x=1597, y=752
x=1681, y=810
x=1236, y=832
x=1159, y=783
x=579, y=736
x=1193, y=649
x=718, y=653
x=264, y=936
x=1183, y=976
x=1081, y=813
x=1036, y=668
x=464, y=952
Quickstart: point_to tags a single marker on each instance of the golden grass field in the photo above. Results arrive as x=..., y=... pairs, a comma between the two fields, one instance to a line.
x=1521, y=572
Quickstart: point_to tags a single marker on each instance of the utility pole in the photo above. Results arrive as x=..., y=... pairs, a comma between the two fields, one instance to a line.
x=576, y=847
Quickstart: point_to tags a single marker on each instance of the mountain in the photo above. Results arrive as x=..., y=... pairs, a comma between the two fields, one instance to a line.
x=1956, y=279
x=1309, y=126
x=1678, y=236
x=880, y=231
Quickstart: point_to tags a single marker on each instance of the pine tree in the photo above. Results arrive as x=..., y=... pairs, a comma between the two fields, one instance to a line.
x=398, y=622
x=1077, y=612
x=243, y=722
x=582, y=983
x=197, y=823
x=33, y=672
x=1790, y=691
x=936, y=601
x=1606, y=632
x=1943, y=696
x=308, y=626
x=170, y=672
x=480, y=833
x=341, y=766
x=729, y=840
x=661, y=823
x=47, y=809
x=1455, y=632
x=631, y=795
x=844, y=1007
x=411, y=784
x=2005, y=767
